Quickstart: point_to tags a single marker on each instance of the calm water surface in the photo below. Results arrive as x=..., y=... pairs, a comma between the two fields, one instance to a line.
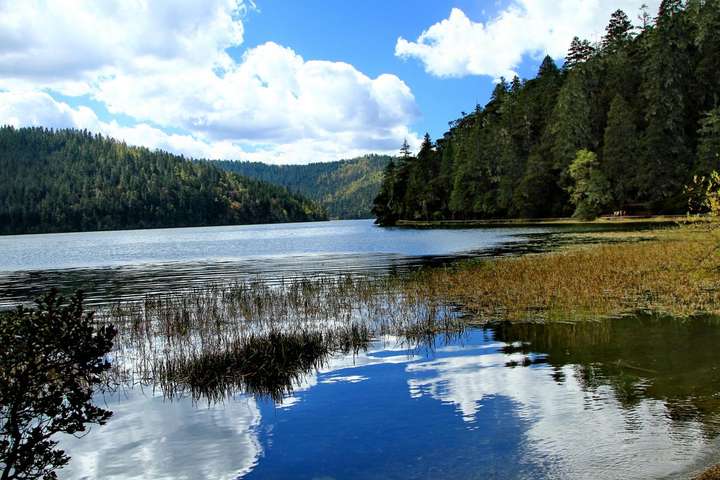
x=632, y=398
x=127, y=264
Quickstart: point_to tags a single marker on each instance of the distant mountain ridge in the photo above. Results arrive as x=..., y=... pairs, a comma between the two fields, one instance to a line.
x=346, y=188
x=71, y=180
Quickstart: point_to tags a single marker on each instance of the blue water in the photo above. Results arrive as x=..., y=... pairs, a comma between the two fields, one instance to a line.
x=632, y=398
x=233, y=243
x=128, y=264
x=489, y=404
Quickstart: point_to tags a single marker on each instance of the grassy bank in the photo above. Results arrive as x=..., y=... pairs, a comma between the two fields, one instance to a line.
x=542, y=222
x=712, y=473
x=671, y=270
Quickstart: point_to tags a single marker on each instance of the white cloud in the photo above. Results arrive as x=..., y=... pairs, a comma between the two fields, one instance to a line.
x=36, y=109
x=272, y=95
x=165, y=64
x=72, y=44
x=39, y=109
x=457, y=46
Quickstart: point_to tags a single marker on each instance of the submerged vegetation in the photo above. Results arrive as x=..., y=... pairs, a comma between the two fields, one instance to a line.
x=262, y=338
x=259, y=338
x=642, y=106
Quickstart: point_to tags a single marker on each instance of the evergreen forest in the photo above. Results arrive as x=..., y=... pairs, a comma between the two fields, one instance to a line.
x=624, y=124
x=71, y=180
x=345, y=188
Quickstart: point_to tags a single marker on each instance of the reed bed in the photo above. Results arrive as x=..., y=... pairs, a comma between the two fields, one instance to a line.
x=263, y=338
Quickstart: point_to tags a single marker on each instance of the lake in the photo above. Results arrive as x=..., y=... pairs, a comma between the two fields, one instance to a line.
x=623, y=398
x=632, y=398
x=128, y=264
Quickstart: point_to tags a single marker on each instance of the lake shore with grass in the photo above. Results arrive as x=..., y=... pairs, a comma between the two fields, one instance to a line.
x=627, y=314
x=544, y=222
x=671, y=269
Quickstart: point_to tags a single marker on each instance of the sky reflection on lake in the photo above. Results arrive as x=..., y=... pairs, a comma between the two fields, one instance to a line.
x=504, y=402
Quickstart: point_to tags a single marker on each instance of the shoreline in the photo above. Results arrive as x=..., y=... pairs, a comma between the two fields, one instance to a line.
x=671, y=270
x=543, y=222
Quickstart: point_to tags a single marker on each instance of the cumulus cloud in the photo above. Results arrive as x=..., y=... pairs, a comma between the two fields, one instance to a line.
x=458, y=46
x=72, y=44
x=39, y=109
x=271, y=95
x=165, y=64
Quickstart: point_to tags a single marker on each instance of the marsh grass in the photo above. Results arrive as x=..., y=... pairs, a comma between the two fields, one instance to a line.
x=712, y=473
x=261, y=364
x=675, y=271
x=263, y=338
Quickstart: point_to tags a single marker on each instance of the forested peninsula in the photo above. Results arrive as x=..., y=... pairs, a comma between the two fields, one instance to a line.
x=70, y=180
x=629, y=124
x=345, y=188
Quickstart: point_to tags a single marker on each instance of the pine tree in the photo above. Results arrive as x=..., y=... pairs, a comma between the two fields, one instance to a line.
x=570, y=124
x=668, y=9
x=515, y=86
x=533, y=198
x=548, y=68
x=620, y=151
x=707, y=71
x=644, y=17
x=580, y=52
x=709, y=144
x=618, y=32
x=667, y=79
x=405, y=149
x=384, y=205
x=419, y=192
x=590, y=191
x=442, y=185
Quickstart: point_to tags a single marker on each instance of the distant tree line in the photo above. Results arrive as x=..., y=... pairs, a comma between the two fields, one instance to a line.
x=625, y=124
x=71, y=180
x=346, y=188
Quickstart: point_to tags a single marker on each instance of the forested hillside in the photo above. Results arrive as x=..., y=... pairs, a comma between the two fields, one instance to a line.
x=624, y=125
x=69, y=180
x=346, y=188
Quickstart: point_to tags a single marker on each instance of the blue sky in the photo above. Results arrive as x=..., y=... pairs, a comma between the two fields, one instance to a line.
x=280, y=81
x=366, y=37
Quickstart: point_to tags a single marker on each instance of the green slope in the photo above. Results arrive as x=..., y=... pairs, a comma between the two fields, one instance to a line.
x=346, y=188
x=624, y=125
x=69, y=180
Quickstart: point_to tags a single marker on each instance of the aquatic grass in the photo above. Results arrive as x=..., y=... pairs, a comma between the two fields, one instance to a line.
x=260, y=364
x=262, y=338
x=674, y=271
x=712, y=473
